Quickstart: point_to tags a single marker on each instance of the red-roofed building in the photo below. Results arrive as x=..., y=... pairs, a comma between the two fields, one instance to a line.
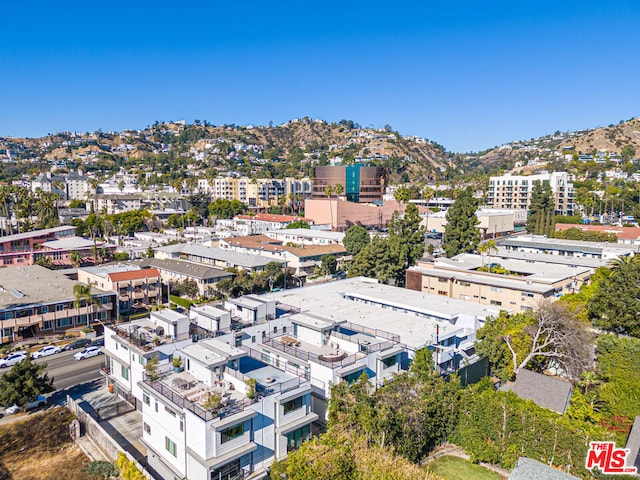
x=137, y=288
x=626, y=235
x=262, y=222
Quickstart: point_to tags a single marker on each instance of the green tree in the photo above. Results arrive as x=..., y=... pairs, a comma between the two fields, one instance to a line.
x=24, y=382
x=461, y=234
x=355, y=239
x=550, y=336
x=222, y=208
x=409, y=233
x=328, y=265
x=487, y=248
x=616, y=303
x=298, y=224
x=83, y=296
x=541, y=209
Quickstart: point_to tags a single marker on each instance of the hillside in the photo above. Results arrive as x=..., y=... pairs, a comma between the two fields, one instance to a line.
x=302, y=143
x=613, y=139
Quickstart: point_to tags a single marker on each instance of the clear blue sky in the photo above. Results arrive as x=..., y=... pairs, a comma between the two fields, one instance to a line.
x=467, y=74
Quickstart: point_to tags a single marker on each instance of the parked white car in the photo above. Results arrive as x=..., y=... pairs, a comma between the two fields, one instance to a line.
x=40, y=401
x=46, y=351
x=12, y=359
x=87, y=353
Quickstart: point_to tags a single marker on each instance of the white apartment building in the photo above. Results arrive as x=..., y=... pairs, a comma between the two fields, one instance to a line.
x=514, y=191
x=78, y=186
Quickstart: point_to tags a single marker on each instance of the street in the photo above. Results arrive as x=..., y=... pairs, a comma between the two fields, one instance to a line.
x=67, y=372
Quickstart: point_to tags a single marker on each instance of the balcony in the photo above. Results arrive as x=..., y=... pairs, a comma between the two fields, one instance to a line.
x=138, y=294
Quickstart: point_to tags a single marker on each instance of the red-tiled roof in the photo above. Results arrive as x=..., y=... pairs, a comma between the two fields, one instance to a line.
x=624, y=233
x=269, y=217
x=134, y=274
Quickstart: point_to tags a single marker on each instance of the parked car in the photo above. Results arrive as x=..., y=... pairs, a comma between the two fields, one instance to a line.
x=12, y=359
x=87, y=353
x=46, y=351
x=40, y=401
x=78, y=343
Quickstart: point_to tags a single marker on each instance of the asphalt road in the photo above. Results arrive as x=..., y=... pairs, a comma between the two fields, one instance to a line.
x=67, y=372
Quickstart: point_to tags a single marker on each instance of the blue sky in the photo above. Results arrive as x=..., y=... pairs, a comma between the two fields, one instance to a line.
x=467, y=74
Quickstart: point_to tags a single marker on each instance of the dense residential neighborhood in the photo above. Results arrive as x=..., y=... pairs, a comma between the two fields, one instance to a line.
x=237, y=318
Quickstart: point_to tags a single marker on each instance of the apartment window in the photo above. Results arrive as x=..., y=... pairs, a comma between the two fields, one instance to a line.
x=496, y=289
x=44, y=309
x=496, y=302
x=147, y=428
x=292, y=405
x=390, y=361
x=295, y=438
x=253, y=339
x=7, y=332
x=63, y=322
x=443, y=280
x=275, y=329
x=170, y=445
x=146, y=399
x=59, y=308
x=46, y=325
x=284, y=329
x=232, y=432
x=156, y=407
x=169, y=411
x=181, y=425
x=442, y=292
x=125, y=372
x=465, y=284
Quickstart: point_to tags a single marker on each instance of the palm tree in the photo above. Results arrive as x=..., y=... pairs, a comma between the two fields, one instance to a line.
x=82, y=294
x=622, y=264
x=328, y=191
x=338, y=189
x=402, y=195
x=487, y=247
x=588, y=379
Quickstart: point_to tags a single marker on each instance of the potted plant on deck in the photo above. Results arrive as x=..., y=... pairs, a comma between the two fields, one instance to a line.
x=177, y=364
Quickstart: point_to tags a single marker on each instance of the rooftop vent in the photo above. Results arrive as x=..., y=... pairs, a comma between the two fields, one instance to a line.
x=17, y=293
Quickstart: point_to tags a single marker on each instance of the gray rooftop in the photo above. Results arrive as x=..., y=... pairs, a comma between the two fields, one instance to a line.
x=545, y=391
x=308, y=233
x=534, y=271
x=195, y=270
x=104, y=270
x=542, y=242
x=231, y=257
x=483, y=278
x=588, y=262
x=411, y=315
x=529, y=469
x=35, y=233
x=69, y=243
x=34, y=284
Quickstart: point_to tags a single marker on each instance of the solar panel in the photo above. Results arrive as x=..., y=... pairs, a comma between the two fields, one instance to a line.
x=17, y=293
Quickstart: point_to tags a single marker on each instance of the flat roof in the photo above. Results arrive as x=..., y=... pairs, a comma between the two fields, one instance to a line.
x=534, y=271
x=540, y=241
x=203, y=354
x=589, y=262
x=69, y=243
x=234, y=258
x=486, y=279
x=345, y=300
x=104, y=270
x=34, y=284
x=36, y=233
x=196, y=270
x=308, y=233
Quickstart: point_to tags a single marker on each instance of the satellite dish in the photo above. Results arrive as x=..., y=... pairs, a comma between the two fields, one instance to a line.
x=160, y=331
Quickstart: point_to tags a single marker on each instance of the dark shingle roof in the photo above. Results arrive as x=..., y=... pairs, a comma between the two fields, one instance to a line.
x=545, y=391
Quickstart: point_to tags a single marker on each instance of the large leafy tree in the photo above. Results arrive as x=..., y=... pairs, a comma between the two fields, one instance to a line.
x=222, y=208
x=24, y=382
x=552, y=335
x=355, y=239
x=461, y=234
x=616, y=304
x=409, y=232
x=541, y=209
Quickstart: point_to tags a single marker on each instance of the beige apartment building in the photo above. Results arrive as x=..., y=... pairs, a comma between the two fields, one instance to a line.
x=514, y=191
x=521, y=289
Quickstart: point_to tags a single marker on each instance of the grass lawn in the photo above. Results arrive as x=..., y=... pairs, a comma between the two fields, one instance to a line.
x=453, y=468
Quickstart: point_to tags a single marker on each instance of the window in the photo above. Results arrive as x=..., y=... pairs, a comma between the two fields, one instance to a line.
x=181, y=425
x=390, y=361
x=284, y=329
x=465, y=284
x=146, y=399
x=292, y=405
x=275, y=329
x=232, y=432
x=47, y=324
x=147, y=428
x=230, y=471
x=125, y=372
x=496, y=302
x=253, y=339
x=169, y=411
x=7, y=332
x=63, y=322
x=442, y=292
x=266, y=356
x=44, y=309
x=170, y=446
x=295, y=438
